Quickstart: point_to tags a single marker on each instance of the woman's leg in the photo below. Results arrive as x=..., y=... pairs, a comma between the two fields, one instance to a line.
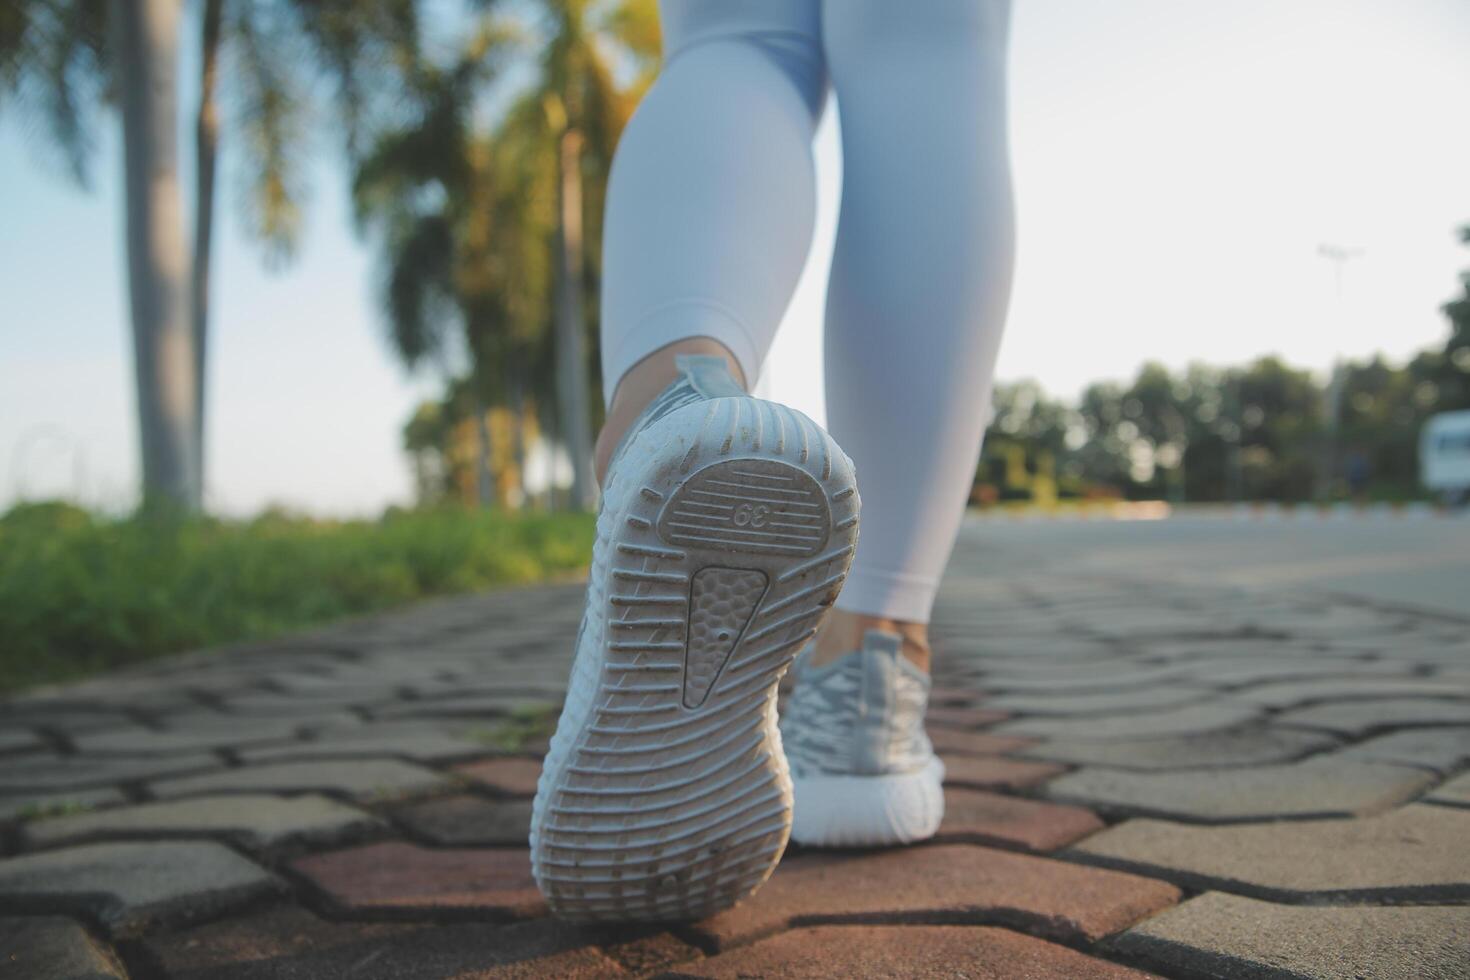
x=920, y=282
x=712, y=198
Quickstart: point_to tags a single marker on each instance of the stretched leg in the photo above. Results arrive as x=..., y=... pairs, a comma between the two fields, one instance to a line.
x=727, y=522
x=920, y=282
x=915, y=306
x=711, y=200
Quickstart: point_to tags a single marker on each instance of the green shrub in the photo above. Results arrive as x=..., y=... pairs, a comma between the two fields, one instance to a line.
x=79, y=593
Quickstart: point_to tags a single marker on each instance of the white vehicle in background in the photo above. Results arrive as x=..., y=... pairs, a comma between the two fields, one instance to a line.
x=1444, y=456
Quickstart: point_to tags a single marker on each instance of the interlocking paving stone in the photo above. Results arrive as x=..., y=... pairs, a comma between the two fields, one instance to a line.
x=490, y=706
x=1062, y=901
x=196, y=733
x=1361, y=717
x=1319, y=787
x=469, y=821
x=1313, y=667
x=1456, y=792
x=954, y=741
x=990, y=818
x=32, y=805
x=289, y=943
x=418, y=742
x=1286, y=694
x=974, y=952
x=1222, y=935
x=127, y=887
x=49, y=773
x=68, y=719
x=394, y=876
x=1251, y=746
x=996, y=773
x=513, y=777
x=1416, y=853
x=255, y=821
x=1440, y=749
x=361, y=779
x=15, y=740
x=1101, y=703
x=53, y=948
x=1210, y=716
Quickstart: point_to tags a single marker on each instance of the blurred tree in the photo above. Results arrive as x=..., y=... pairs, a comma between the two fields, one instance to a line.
x=453, y=249
x=584, y=113
x=62, y=60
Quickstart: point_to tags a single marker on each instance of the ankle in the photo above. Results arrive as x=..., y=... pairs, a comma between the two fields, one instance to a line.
x=643, y=383
x=843, y=631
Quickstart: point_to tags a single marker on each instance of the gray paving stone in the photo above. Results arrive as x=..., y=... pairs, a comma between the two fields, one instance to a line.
x=1440, y=749
x=1413, y=854
x=1318, y=787
x=360, y=779
x=1146, y=698
x=492, y=706
x=1288, y=693
x=49, y=947
x=1210, y=716
x=193, y=733
x=1231, y=673
x=66, y=718
x=469, y=821
x=14, y=740
x=257, y=821
x=1456, y=792
x=51, y=773
x=1221, y=935
x=128, y=887
x=1362, y=717
x=1207, y=750
x=30, y=806
x=416, y=741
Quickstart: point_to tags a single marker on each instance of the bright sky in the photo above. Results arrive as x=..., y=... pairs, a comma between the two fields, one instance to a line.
x=1177, y=166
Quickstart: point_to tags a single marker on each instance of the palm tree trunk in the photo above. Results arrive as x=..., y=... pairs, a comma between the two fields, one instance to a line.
x=571, y=360
x=146, y=45
x=518, y=431
x=484, y=478
x=206, y=146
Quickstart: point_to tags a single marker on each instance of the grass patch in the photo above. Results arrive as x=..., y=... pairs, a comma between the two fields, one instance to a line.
x=81, y=593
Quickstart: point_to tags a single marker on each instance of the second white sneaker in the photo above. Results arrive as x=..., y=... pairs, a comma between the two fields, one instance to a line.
x=863, y=769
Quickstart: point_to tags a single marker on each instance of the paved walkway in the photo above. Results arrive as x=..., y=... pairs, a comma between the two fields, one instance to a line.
x=1146, y=775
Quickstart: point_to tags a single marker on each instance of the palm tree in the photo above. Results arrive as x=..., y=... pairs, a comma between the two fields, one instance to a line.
x=584, y=113
x=458, y=230
x=59, y=61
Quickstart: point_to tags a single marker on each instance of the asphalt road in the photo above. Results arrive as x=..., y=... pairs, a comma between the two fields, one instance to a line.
x=1419, y=561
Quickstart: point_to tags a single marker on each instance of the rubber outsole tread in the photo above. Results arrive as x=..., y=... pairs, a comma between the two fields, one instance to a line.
x=679, y=804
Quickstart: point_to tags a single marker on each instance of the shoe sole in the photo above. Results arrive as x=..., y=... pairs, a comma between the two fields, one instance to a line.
x=672, y=798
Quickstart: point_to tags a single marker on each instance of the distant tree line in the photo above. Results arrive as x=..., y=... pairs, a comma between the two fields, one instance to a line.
x=1255, y=433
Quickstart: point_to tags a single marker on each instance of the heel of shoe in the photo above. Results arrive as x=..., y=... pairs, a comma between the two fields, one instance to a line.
x=869, y=811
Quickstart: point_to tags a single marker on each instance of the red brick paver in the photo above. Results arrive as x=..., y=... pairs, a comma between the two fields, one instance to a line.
x=978, y=884
x=954, y=741
x=997, y=773
x=289, y=943
x=513, y=777
x=920, y=952
x=395, y=877
x=990, y=818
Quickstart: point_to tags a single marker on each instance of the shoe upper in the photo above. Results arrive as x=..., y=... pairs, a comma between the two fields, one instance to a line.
x=861, y=715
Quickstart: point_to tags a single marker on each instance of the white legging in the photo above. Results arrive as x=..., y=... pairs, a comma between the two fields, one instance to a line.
x=710, y=212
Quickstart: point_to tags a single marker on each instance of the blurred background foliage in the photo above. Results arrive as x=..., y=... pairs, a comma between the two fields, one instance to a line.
x=1262, y=432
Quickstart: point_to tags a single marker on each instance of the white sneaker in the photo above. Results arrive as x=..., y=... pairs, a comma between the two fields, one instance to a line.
x=726, y=529
x=864, y=770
